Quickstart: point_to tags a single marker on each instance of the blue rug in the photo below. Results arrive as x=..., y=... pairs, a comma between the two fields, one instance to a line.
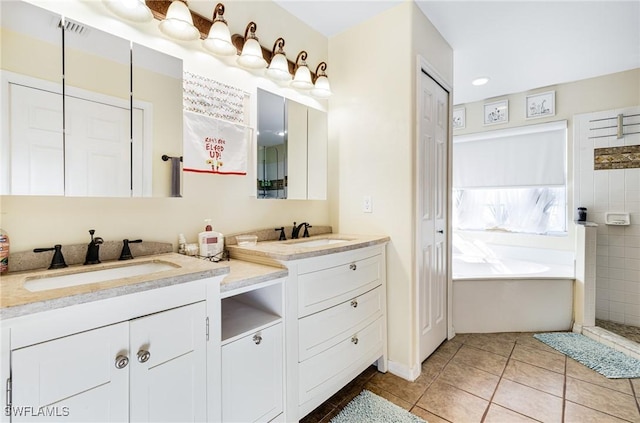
x=370, y=408
x=599, y=357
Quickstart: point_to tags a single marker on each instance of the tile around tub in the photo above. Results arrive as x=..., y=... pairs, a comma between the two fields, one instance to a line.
x=528, y=401
x=602, y=399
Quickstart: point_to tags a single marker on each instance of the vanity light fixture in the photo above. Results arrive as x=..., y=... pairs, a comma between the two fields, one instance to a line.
x=251, y=56
x=133, y=10
x=321, y=88
x=219, y=39
x=278, y=69
x=178, y=23
x=302, y=77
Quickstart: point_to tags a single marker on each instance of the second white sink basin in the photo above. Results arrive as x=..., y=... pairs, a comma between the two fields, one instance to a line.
x=87, y=276
x=317, y=242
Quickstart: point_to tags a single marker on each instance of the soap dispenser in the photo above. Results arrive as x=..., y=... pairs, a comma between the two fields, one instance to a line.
x=211, y=242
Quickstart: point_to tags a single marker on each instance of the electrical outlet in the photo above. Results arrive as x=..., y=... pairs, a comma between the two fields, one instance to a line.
x=367, y=204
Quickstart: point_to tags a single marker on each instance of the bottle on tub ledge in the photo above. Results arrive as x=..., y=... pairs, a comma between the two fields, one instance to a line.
x=211, y=242
x=4, y=252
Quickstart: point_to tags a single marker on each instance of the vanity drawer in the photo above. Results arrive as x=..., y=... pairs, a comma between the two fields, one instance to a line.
x=326, y=328
x=318, y=372
x=321, y=289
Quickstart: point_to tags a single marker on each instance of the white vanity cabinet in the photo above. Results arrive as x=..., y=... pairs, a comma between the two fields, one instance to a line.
x=253, y=354
x=150, y=369
x=336, y=323
x=147, y=356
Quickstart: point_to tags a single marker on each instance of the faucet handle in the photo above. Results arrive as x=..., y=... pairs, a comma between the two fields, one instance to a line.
x=57, y=261
x=283, y=237
x=126, y=251
x=306, y=230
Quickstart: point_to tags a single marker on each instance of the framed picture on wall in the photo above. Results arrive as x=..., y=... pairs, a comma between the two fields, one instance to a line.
x=459, y=118
x=541, y=105
x=496, y=112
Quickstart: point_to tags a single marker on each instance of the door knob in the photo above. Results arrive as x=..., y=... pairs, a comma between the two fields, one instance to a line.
x=121, y=361
x=143, y=356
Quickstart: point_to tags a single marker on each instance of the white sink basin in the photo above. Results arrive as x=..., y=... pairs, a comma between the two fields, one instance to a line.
x=86, y=276
x=317, y=242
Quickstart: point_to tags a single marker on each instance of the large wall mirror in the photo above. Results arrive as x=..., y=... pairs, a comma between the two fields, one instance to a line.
x=101, y=132
x=292, y=149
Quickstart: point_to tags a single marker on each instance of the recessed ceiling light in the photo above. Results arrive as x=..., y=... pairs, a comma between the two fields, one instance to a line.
x=480, y=81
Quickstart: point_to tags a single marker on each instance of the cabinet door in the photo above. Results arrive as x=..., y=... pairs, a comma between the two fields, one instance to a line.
x=168, y=365
x=73, y=379
x=252, y=377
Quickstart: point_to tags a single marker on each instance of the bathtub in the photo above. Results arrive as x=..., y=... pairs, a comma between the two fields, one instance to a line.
x=512, y=289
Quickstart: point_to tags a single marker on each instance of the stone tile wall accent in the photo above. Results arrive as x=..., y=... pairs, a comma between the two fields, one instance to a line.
x=625, y=157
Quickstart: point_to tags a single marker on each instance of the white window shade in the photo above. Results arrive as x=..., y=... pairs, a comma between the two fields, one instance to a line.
x=533, y=155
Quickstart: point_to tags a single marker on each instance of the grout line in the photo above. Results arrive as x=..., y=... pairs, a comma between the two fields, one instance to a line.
x=635, y=395
x=486, y=411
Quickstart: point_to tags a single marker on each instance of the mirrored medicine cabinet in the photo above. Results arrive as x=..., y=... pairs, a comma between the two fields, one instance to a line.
x=90, y=119
x=292, y=149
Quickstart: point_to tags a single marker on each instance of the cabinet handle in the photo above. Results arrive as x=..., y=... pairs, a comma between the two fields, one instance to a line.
x=353, y=266
x=354, y=339
x=121, y=361
x=354, y=303
x=143, y=356
x=257, y=338
x=440, y=231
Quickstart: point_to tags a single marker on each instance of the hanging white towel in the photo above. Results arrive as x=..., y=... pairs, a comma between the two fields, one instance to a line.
x=214, y=146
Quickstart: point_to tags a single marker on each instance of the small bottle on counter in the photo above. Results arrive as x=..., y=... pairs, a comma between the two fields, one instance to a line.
x=4, y=252
x=182, y=244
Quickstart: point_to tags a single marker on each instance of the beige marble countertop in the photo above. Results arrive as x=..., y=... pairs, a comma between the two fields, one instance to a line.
x=244, y=274
x=16, y=301
x=267, y=251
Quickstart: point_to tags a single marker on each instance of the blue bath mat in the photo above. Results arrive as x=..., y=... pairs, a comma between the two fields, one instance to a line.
x=599, y=357
x=370, y=408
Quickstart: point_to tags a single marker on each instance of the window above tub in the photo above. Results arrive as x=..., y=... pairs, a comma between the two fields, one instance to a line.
x=512, y=180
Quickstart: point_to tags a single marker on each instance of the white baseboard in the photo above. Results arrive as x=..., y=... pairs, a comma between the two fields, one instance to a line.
x=404, y=371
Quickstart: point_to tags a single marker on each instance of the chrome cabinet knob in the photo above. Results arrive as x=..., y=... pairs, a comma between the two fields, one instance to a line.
x=354, y=339
x=121, y=361
x=353, y=266
x=257, y=338
x=143, y=356
x=354, y=303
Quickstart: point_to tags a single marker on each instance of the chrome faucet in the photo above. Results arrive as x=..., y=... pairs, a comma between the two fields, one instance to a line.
x=295, y=231
x=93, y=249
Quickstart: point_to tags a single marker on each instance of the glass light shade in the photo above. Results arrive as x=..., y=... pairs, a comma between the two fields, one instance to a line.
x=251, y=56
x=279, y=68
x=302, y=78
x=178, y=23
x=219, y=40
x=133, y=10
x=321, y=89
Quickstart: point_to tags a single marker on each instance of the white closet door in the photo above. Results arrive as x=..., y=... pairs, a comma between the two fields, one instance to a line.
x=37, y=165
x=98, y=149
x=431, y=215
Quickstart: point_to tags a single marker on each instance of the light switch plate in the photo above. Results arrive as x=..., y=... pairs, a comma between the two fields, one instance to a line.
x=367, y=204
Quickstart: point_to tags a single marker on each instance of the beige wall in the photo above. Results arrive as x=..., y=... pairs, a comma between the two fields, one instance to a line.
x=228, y=200
x=589, y=95
x=371, y=130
